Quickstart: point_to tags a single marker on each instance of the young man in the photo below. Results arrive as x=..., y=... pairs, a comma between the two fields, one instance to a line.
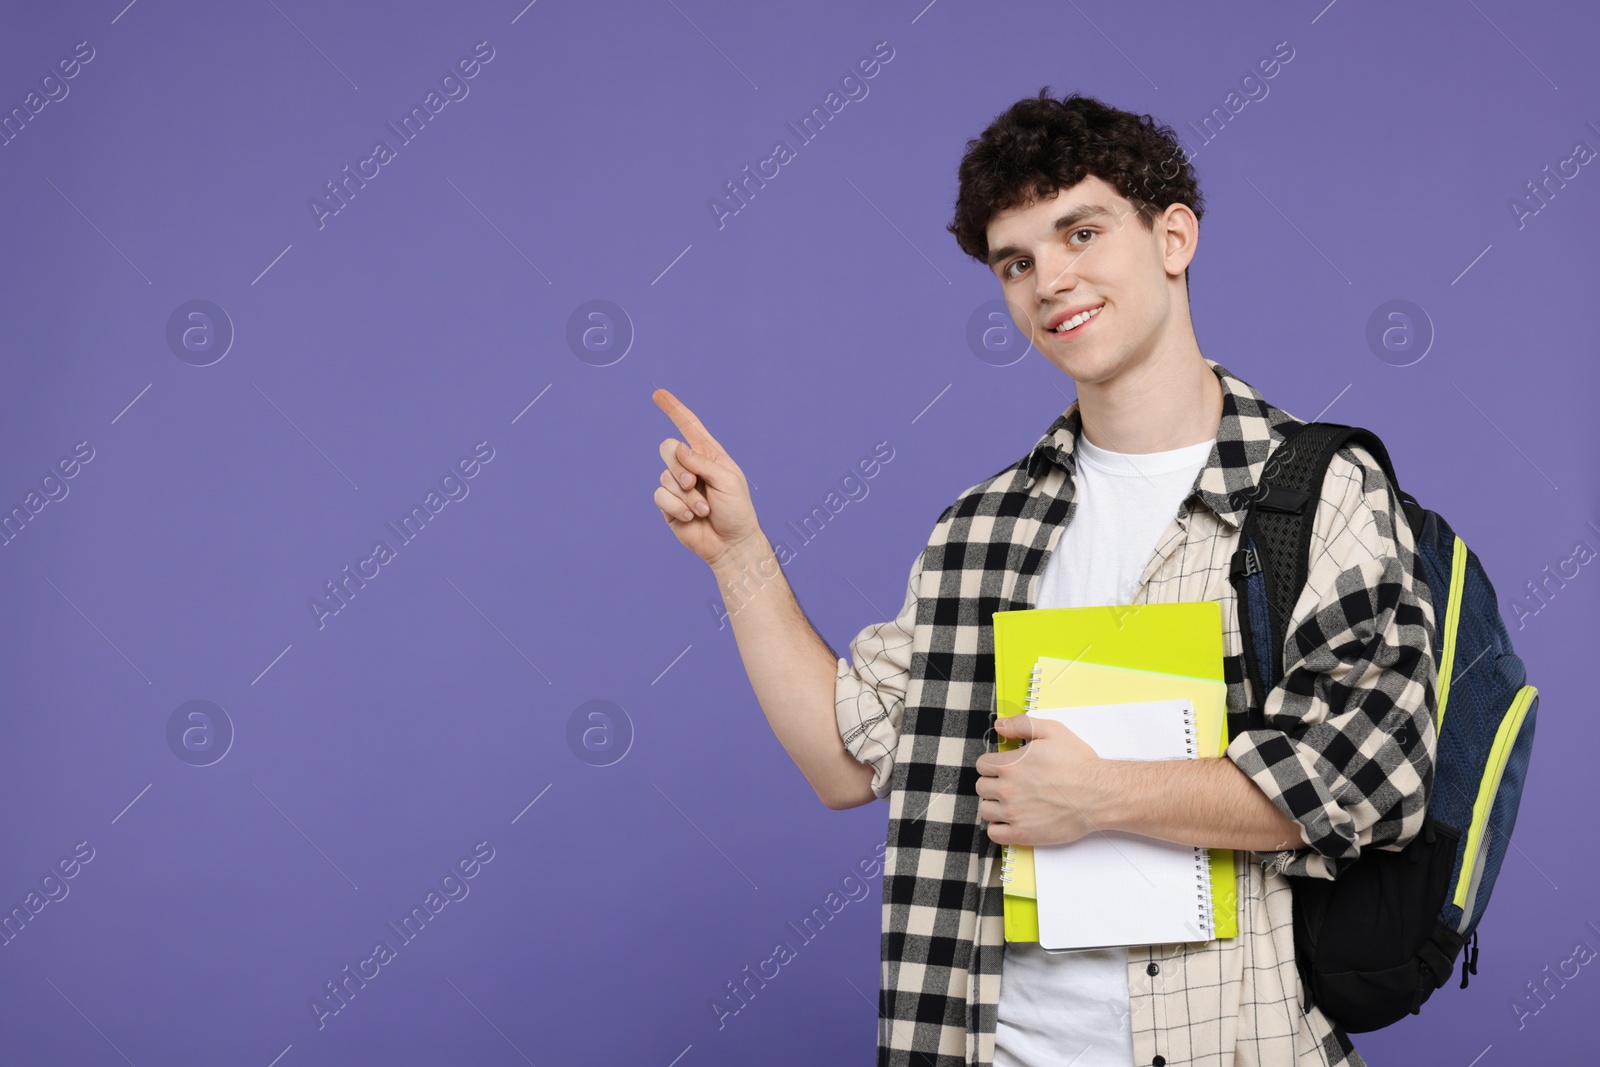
x=1089, y=218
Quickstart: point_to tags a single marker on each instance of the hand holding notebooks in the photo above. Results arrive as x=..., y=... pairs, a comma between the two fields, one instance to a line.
x=1112, y=888
x=1108, y=655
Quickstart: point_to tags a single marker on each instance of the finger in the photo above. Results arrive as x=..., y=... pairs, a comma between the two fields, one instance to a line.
x=671, y=506
x=694, y=431
x=669, y=455
x=691, y=498
x=1028, y=728
x=713, y=469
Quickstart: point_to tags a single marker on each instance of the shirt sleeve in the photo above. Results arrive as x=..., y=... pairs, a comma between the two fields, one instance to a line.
x=1349, y=741
x=870, y=694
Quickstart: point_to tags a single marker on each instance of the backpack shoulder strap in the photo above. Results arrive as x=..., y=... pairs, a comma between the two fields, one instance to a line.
x=1269, y=568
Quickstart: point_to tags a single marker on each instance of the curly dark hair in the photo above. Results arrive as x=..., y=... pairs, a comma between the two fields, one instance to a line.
x=1040, y=145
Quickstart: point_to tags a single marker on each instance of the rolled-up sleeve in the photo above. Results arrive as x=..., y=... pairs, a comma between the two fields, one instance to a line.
x=869, y=695
x=1349, y=741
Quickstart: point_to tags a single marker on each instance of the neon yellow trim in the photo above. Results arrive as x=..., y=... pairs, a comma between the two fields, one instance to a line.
x=1452, y=623
x=1504, y=737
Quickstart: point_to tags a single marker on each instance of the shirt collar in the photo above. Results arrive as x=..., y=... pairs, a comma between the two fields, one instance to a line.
x=1249, y=428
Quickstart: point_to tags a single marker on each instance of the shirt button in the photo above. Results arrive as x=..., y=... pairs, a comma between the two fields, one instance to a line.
x=1152, y=970
x=1159, y=1061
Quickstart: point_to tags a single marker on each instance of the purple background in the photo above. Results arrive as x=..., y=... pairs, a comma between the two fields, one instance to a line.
x=830, y=313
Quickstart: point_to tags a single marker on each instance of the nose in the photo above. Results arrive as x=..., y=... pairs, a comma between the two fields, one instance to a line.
x=1056, y=273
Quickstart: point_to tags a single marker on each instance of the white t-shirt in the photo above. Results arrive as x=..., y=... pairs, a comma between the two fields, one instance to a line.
x=1053, y=1004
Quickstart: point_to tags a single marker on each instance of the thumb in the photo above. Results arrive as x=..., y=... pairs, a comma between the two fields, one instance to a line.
x=703, y=466
x=1024, y=726
x=1011, y=727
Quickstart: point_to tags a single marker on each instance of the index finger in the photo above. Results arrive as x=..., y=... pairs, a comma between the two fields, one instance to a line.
x=694, y=431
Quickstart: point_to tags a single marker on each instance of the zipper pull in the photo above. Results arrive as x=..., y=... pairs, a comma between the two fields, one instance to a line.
x=1469, y=958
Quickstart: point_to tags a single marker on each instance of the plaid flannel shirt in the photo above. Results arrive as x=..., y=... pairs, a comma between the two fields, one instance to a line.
x=1347, y=750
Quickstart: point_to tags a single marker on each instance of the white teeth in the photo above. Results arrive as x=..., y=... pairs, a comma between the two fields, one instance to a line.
x=1077, y=320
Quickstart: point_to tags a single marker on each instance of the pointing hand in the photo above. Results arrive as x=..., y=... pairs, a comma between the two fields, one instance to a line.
x=703, y=495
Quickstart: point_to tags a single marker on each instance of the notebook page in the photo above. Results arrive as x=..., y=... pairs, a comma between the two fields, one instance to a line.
x=1114, y=888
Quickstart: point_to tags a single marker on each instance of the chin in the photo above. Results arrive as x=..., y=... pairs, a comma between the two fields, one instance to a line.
x=1091, y=366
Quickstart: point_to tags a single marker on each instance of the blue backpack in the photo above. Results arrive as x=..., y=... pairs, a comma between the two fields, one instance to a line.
x=1373, y=944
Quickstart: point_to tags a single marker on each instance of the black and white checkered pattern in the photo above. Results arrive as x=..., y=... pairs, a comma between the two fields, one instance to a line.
x=1347, y=751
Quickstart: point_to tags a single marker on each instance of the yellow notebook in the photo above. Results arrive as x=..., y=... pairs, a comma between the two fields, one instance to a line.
x=1113, y=654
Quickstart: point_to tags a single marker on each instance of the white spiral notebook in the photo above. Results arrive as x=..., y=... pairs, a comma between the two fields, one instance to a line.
x=1112, y=888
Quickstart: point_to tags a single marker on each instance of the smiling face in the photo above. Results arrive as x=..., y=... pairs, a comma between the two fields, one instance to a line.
x=1082, y=261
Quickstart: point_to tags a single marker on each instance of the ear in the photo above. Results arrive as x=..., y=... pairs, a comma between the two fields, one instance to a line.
x=1179, y=232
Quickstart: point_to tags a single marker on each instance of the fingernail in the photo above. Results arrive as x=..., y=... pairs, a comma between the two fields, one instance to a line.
x=687, y=479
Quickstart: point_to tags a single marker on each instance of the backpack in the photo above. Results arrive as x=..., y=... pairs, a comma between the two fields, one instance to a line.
x=1373, y=944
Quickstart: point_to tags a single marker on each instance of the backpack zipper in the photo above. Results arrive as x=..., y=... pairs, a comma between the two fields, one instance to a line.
x=1504, y=738
x=1452, y=623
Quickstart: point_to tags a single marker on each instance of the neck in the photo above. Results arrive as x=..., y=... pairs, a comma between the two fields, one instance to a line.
x=1169, y=400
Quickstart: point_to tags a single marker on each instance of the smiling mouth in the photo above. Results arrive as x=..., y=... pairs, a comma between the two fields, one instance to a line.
x=1073, y=326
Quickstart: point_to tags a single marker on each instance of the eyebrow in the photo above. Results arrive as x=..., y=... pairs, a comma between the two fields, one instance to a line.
x=1064, y=222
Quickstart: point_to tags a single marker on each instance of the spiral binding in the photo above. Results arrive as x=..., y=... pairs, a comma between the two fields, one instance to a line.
x=1008, y=859
x=1202, y=887
x=1202, y=855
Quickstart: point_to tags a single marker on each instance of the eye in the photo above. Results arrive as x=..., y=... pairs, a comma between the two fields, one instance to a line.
x=1082, y=231
x=1007, y=271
